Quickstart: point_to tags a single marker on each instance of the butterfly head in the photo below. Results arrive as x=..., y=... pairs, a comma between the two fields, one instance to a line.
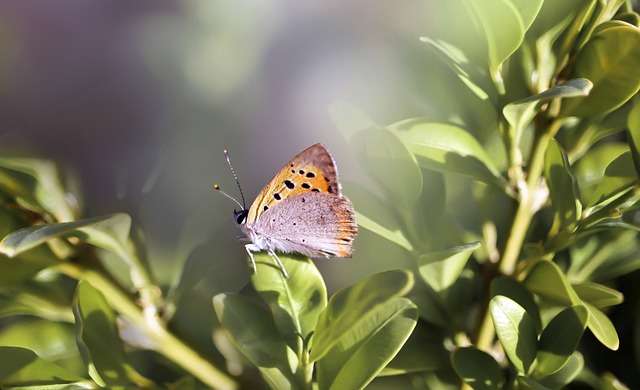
x=240, y=216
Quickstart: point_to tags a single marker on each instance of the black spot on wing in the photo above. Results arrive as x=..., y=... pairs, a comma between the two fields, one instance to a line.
x=290, y=185
x=277, y=196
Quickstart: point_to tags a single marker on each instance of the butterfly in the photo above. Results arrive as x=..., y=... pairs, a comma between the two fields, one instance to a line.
x=301, y=210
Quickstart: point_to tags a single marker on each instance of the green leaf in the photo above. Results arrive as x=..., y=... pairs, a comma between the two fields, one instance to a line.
x=439, y=270
x=520, y=113
x=353, y=304
x=296, y=301
x=528, y=11
x=546, y=279
x=366, y=348
x=98, y=339
x=477, y=368
x=602, y=327
x=503, y=27
x=510, y=288
x=566, y=374
x=560, y=338
x=525, y=383
x=562, y=186
x=109, y=232
x=395, y=236
x=412, y=358
x=42, y=191
x=610, y=59
x=618, y=177
x=349, y=119
x=598, y=295
x=473, y=76
x=52, y=341
x=252, y=330
x=446, y=148
x=23, y=367
x=384, y=157
x=589, y=170
x=633, y=133
x=516, y=331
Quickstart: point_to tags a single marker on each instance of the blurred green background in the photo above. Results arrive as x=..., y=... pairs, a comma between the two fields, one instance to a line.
x=137, y=100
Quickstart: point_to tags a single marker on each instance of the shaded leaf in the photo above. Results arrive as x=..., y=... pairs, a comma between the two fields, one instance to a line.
x=633, y=132
x=23, y=367
x=560, y=338
x=562, y=186
x=251, y=329
x=618, y=177
x=477, y=368
x=566, y=374
x=98, y=339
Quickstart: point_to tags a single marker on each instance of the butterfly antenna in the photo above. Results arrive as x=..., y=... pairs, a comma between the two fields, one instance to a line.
x=233, y=171
x=217, y=187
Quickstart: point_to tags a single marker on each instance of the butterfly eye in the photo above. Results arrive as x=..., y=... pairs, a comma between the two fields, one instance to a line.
x=240, y=216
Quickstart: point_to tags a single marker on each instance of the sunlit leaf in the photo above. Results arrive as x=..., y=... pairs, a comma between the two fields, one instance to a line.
x=440, y=269
x=560, y=338
x=516, y=331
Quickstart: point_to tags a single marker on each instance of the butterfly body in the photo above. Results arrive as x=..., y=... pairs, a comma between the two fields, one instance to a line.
x=301, y=210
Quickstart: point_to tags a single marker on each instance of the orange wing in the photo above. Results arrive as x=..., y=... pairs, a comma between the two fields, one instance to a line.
x=312, y=170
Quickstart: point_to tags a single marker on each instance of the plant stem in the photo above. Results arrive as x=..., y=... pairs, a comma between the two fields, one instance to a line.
x=165, y=343
x=526, y=208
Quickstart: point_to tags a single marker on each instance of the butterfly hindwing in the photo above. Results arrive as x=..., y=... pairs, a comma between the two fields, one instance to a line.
x=315, y=224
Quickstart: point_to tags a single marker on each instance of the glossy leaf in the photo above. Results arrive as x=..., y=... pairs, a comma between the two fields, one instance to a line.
x=366, y=348
x=516, y=331
x=446, y=148
x=602, y=327
x=477, y=368
x=598, y=295
x=252, y=330
x=547, y=280
x=353, y=304
x=503, y=26
x=23, y=367
x=439, y=270
x=562, y=186
x=610, y=59
x=98, y=339
x=510, y=288
x=560, y=338
x=296, y=301
x=525, y=383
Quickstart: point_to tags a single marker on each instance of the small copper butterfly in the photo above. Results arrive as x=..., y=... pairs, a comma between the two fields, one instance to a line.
x=301, y=210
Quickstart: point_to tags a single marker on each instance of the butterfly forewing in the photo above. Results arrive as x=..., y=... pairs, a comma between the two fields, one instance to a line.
x=312, y=170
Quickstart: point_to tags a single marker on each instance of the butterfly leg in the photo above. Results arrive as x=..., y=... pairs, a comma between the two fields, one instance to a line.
x=277, y=259
x=250, y=249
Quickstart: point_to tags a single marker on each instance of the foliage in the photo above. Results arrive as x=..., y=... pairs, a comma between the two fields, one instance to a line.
x=518, y=205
